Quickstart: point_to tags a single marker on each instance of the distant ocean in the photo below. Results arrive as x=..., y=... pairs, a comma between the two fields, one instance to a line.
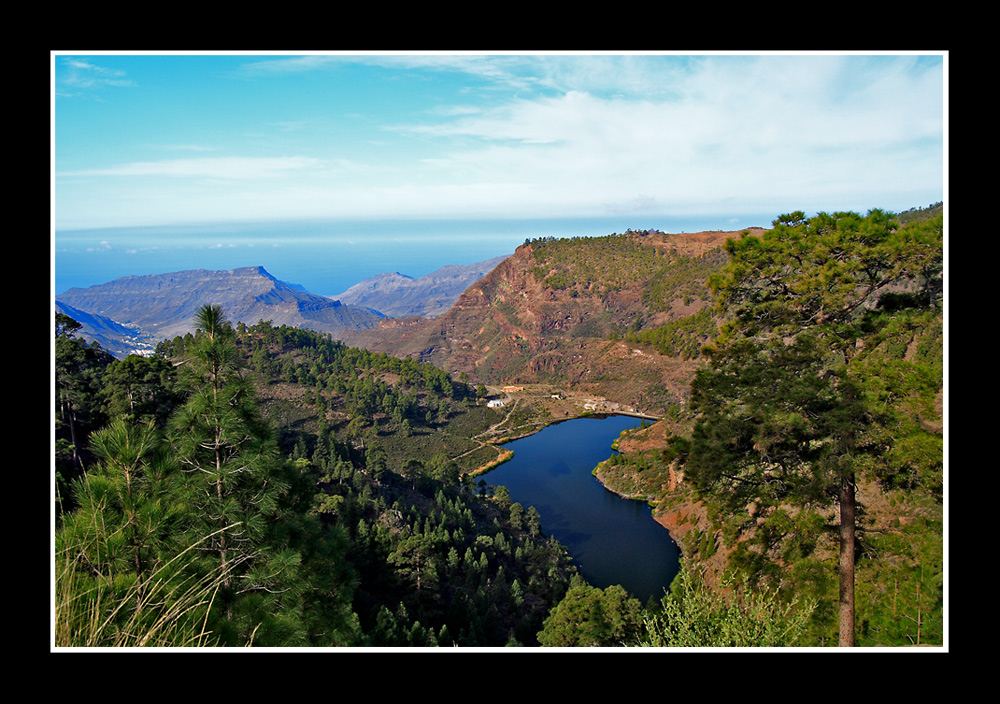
x=328, y=257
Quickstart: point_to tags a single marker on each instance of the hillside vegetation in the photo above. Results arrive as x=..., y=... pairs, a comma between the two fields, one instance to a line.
x=591, y=315
x=267, y=485
x=346, y=529
x=745, y=478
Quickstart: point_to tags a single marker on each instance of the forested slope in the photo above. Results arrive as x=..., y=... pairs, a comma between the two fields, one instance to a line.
x=266, y=485
x=812, y=456
x=336, y=536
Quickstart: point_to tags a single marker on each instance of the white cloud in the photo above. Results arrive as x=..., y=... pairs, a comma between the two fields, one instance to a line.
x=236, y=168
x=78, y=73
x=568, y=135
x=760, y=127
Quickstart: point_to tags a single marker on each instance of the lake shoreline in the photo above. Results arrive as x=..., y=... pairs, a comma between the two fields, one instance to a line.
x=609, y=534
x=671, y=525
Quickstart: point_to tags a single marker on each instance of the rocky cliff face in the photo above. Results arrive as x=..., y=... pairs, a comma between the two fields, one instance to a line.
x=540, y=317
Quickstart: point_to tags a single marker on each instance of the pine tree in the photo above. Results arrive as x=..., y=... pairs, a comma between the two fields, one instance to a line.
x=787, y=416
x=592, y=617
x=232, y=462
x=78, y=370
x=119, y=579
x=141, y=388
x=122, y=495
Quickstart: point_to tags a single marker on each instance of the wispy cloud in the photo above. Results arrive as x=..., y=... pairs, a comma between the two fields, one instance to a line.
x=757, y=126
x=526, y=135
x=289, y=64
x=761, y=101
x=189, y=148
x=234, y=168
x=80, y=73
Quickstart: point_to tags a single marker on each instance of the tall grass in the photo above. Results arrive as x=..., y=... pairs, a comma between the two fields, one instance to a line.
x=99, y=611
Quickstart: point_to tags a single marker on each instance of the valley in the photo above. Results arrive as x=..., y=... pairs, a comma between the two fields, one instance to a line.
x=431, y=350
x=561, y=328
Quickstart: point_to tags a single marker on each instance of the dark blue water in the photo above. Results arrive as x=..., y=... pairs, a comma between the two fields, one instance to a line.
x=612, y=540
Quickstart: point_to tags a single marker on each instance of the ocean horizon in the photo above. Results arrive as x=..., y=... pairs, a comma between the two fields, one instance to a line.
x=327, y=257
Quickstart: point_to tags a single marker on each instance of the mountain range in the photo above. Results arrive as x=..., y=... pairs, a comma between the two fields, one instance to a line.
x=161, y=306
x=131, y=314
x=399, y=296
x=554, y=311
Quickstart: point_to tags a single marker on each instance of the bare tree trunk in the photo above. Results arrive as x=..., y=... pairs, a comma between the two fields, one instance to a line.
x=69, y=417
x=223, y=552
x=847, y=518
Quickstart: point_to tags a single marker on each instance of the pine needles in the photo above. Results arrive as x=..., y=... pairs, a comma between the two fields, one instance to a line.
x=96, y=611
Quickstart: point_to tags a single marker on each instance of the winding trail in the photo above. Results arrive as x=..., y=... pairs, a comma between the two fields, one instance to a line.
x=492, y=430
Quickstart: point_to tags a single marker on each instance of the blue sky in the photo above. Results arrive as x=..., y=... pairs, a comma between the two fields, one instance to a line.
x=175, y=139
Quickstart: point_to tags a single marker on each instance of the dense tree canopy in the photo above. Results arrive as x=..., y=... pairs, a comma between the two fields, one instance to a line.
x=792, y=409
x=592, y=617
x=79, y=370
x=327, y=536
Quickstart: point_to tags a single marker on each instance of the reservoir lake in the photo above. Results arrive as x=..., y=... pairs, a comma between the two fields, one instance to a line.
x=612, y=540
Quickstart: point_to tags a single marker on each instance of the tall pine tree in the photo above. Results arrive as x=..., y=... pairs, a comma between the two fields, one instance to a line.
x=235, y=484
x=787, y=420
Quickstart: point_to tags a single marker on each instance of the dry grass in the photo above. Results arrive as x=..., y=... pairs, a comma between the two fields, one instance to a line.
x=170, y=610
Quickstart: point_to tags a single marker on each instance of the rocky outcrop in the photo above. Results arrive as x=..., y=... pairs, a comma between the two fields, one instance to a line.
x=514, y=326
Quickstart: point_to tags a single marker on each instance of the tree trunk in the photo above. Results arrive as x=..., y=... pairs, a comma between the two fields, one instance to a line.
x=847, y=518
x=219, y=496
x=69, y=417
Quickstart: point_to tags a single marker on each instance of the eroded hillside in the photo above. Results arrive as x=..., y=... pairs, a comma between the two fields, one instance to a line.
x=571, y=312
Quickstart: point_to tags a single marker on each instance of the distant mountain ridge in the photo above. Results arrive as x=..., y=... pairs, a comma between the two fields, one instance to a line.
x=130, y=314
x=161, y=306
x=120, y=340
x=399, y=296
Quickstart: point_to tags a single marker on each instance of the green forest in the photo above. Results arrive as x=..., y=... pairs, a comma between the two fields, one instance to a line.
x=813, y=444
x=267, y=486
